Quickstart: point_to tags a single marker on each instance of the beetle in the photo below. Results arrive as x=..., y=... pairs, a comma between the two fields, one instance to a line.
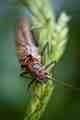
x=27, y=52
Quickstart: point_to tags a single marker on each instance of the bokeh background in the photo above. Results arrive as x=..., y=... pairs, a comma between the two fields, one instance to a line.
x=65, y=101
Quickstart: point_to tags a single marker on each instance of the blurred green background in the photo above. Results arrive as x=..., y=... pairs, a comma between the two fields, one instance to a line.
x=65, y=102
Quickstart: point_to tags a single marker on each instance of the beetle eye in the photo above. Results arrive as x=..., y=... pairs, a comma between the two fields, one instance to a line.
x=46, y=73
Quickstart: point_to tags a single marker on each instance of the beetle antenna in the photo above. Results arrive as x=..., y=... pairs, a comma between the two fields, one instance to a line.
x=63, y=83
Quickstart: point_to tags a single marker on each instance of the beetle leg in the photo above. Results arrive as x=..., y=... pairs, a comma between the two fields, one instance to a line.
x=29, y=86
x=25, y=75
x=50, y=65
x=30, y=83
x=22, y=74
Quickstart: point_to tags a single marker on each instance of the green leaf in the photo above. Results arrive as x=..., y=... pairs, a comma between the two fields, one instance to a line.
x=51, y=37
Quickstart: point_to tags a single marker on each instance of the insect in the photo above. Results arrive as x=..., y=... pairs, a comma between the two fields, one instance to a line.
x=27, y=52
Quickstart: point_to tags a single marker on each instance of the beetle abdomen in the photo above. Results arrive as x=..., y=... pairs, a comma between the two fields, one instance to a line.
x=24, y=42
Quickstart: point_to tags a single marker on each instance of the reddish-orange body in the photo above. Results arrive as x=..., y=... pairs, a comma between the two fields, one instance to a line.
x=28, y=55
